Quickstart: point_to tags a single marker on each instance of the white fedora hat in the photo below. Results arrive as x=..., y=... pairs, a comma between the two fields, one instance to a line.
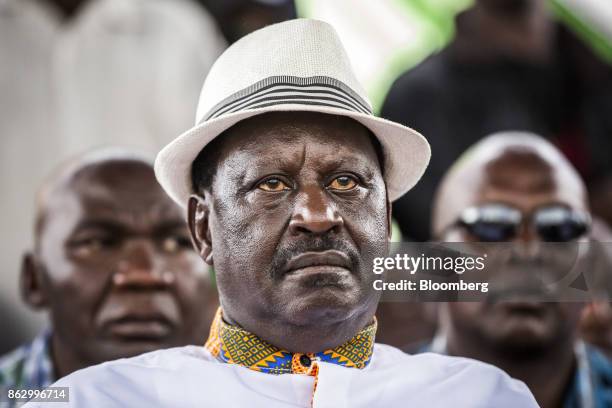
x=297, y=65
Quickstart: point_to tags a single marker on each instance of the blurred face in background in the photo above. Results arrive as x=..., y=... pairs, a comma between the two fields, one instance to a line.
x=68, y=7
x=521, y=180
x=508, y=8
x=115, y=267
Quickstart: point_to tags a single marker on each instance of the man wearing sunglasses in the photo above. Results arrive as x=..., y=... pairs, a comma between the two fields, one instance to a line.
x=517, y=188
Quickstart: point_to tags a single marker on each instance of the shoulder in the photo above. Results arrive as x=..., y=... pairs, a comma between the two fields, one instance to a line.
x=28, y=366
x=451, y=380
x=168, y=360
x=138, y=372
x=597, y=358
x=436, y=364
x=423, y=82
x=600, y=366
x=11, y=365
x=138, y=381
x=426, y=75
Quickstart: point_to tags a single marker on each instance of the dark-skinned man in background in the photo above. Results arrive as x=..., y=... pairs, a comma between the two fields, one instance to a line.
x=82, y=68
x=283, y=183
x=510, y=66
x=113, y=267
x=533, y=340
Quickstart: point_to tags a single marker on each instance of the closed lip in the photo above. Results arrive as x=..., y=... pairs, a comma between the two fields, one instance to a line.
x=141, y=318
x=140, y=326
x=331, y=258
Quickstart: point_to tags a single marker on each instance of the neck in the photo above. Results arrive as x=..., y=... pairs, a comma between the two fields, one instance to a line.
x=483, y=35
x=64, y=361
x=547, y=374
x=67, y=9
x=313, y=338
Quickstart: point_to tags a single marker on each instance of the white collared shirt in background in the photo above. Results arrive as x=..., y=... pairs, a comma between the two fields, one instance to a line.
x=120, y=72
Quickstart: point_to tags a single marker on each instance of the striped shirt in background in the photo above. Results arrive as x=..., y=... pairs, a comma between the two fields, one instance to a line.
x=28, y=367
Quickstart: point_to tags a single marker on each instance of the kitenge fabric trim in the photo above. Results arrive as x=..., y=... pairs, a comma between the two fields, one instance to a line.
x=234, y=345
x=287, y=89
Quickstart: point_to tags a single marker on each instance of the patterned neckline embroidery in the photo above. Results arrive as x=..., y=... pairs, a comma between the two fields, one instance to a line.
x=234, y=345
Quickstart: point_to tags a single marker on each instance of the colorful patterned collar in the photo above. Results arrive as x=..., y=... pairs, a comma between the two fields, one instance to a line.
x=233, y=345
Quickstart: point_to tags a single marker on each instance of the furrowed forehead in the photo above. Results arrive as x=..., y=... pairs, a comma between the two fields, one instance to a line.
x=268, y=137
x=288, y=127
x=520, y=171
x=125, y=189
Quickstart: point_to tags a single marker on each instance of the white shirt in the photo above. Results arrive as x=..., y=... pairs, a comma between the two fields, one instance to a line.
x=191, y=377
x=120, y=72
x=129, y=72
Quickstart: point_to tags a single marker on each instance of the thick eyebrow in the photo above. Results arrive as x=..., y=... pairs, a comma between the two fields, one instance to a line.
x=119, y=227
x=358, y=163
x=347, y=162
x=99, y=223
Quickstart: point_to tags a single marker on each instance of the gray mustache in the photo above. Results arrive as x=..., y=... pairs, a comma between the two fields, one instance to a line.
x=283, y=255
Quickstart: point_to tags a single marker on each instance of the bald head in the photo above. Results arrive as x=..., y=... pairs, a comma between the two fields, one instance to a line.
x=78, y=171
x=113, y=252
x=520, y=169
x=528, y=176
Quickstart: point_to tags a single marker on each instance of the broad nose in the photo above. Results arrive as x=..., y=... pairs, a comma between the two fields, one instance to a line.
x=527, y=244
x=140, y=267
x=315, y=214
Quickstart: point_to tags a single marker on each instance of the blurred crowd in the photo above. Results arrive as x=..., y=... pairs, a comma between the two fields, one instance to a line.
x=516, y=110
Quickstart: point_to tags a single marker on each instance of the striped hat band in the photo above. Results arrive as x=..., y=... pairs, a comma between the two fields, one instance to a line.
x=283, y=89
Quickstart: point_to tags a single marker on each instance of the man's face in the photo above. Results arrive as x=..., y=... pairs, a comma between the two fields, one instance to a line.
x=509, y=8
x=525, y=325
x=297, y=213
x=119, y=274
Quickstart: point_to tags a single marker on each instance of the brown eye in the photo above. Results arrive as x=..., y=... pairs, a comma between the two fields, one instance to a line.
x=173, y=244
x=343, y=183
x=273, y=185
x=91, y=246
x=87, y=247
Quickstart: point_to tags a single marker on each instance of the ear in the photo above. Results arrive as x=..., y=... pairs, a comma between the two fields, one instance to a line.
x=198, y=217
x=31, y=283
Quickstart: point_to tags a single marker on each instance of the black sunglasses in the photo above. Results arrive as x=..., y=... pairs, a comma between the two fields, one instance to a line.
x=500, y=222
